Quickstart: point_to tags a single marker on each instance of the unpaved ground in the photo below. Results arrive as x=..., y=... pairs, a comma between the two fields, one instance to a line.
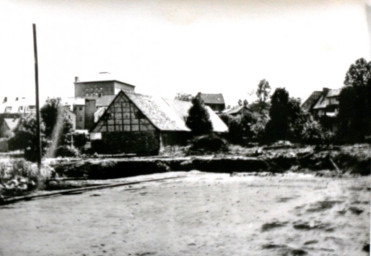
x=202, y=214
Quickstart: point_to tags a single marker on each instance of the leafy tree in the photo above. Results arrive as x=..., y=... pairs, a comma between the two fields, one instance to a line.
x=262, y=93
x=25, y=138
x=355, y=103
x=49, y=114
x=297, y=119
x=263, y=90
x=235, y=134
x=312, y=132
x=247, y=127
x=278, y=125
x=54, y=127
x=359, y=74
x=198, y=119
x=54, y=119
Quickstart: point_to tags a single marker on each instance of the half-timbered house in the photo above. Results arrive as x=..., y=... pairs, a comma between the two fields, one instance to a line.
x=142, y=124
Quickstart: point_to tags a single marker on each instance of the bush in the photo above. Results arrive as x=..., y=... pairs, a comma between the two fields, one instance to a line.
x=18, y=177
x=67, y=151
x=79, y=140
x=312, y=133
x=25, y=138
x=208, y=144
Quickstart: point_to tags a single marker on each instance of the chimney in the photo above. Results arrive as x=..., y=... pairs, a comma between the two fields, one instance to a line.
x=325, y=90
x=76, y=79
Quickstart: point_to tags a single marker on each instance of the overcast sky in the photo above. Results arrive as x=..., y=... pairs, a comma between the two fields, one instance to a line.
x=165, y=47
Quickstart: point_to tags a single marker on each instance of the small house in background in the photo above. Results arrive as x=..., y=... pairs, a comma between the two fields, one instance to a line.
x=238, y=111
x=328, y=103
x=308, y=105
x=142, y=124
x=17, y=105
x=8, y=126
x=323, y=103
x=214, y=101
x=324, y=106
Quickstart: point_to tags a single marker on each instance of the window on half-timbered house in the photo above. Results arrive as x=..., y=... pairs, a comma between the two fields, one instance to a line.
x=123, y=116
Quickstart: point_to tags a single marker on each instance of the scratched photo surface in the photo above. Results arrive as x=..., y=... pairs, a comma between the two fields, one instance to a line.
x=185, y=127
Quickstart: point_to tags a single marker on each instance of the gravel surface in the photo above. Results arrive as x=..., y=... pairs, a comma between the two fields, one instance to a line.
x=202, y=214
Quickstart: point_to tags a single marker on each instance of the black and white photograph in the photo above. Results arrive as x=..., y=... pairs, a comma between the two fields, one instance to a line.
x=185, y=127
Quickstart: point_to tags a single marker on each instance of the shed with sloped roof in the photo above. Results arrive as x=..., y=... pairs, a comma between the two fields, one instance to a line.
x=213, y=100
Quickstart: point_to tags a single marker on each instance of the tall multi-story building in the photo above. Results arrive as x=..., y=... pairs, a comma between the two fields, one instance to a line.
x=99, y=86
x=94, y=94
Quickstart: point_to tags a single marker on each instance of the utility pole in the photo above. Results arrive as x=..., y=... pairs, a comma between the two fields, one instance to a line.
x=38, y=136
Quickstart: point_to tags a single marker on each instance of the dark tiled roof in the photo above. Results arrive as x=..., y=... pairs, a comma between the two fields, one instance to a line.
x=311, y=101
x=208, y=98
x=324, y=101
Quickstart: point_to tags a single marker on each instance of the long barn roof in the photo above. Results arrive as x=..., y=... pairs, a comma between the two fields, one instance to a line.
x=167, y=114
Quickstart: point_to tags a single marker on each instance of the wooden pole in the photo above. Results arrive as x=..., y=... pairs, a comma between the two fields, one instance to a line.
x=38, y=136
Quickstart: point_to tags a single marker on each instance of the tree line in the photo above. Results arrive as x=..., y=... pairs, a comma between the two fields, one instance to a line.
x=268, y=119
x=280, y=117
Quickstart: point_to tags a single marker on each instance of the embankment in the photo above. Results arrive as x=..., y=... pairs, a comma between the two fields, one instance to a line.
x=339, y=161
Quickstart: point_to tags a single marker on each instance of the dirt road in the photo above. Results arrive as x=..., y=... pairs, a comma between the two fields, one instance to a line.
x=202, y=214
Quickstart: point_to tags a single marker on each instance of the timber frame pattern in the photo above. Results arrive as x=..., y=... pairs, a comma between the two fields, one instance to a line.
x=122, y=115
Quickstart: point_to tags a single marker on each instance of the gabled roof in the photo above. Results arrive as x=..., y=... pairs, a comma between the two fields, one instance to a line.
x=334, y=93
x=311, y=101
x=236, y=110
x=166, y=114
x=209, y=98
x=99, y=113
x=159, y=112
x=15, y=104
x=12, y=123
x=324, y=102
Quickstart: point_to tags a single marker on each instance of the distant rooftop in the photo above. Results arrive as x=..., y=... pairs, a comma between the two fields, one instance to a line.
x=100, y=77
x=311, y=101
x=212, y=98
